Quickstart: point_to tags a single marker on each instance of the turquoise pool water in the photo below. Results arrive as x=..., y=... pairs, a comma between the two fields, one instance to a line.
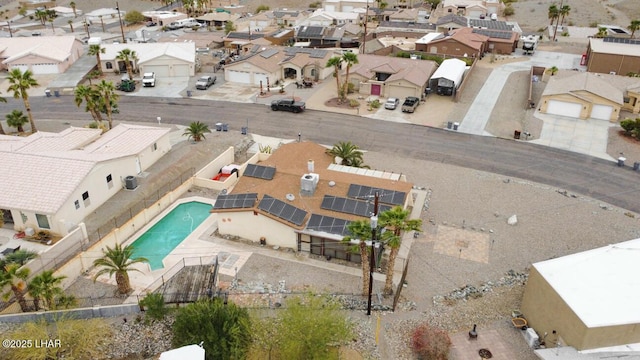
x=165, y=235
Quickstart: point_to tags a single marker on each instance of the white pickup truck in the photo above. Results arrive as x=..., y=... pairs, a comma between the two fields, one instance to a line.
x=149, y=79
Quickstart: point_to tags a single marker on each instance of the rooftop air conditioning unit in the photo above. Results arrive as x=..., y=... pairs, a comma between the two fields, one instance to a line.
x=308, y=183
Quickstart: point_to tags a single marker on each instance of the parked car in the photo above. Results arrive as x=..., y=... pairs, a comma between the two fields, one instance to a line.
x=151, y=23
x=204, y=82
x=149, y=79
x=288, y=105
x=392, y=103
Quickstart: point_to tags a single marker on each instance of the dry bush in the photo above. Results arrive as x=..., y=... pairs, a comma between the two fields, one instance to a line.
x=430, y=343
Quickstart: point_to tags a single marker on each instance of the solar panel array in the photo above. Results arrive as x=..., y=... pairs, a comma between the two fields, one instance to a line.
x=386, y=196
x=282, y=210
x=328, y=224
x=235, y=201
x=260, y=172
x=622, y=40
x=351, y=206
x=314, y=53
x=490, y=24
x=496, y=34
x=269, y=53
x=308, y=31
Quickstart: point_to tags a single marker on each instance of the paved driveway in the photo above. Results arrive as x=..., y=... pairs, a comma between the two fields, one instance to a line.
x=170, y=87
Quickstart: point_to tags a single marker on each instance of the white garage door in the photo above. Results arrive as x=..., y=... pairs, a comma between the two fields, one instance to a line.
x=564, y=108
x=242, y=77
x=22, y=68
x=160, y=70
x=257, y=77
x=44, y=69
x=602, y=112
x=401, y=92
x=475, y=14
x=181, y=70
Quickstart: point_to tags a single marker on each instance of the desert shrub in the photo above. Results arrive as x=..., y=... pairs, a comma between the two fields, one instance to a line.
x=593, y=24
x=350, y=88
x=631, y=126
x=354, y=103
x=509, y=10
x=154, y=303
x=375, y=104
x=262, y=8
x=315, y=5
x=430, y=343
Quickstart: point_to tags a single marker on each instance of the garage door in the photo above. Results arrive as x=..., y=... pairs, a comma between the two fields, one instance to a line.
x=160, y=70
x=257, y=77
x=44, y=69
x=401, y=92
x=475, y=14
x=564, y=108
x=22, y=68
x=602, y=112
x=181, y=70
x=242, y=77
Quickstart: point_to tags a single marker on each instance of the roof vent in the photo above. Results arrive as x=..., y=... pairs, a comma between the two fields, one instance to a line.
x=290, y=197
x=332, y=183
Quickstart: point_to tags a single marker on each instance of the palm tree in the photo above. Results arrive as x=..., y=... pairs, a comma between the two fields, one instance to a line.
x=349, y=153
x=70, y=22
x=602, y=32
x=336, y=62
x=553, y=70
x=21, y=257
x=1, y=128
x=397, y=221
x=97, y=50
x=108, y=93
x=360, y=230
x=196, y=131
x=119, y=261
x=634, y=26
x=20, y=83
x=15, y=276
x=91, y=98
x=350, y=59
x=564, y=12
x=73, y=7
x=46, y=286
x=128, y=56
x=553, y=13
x=17, y=119
x=42, y=15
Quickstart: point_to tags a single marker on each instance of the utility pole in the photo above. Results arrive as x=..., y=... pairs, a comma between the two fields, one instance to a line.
x=364, y=37
x=374, y=233
x=124, y=41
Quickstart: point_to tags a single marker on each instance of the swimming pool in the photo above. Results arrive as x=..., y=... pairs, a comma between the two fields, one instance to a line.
x=165, y=235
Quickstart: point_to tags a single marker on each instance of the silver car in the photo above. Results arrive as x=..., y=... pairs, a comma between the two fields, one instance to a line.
x=392, y=103
x=204, y=82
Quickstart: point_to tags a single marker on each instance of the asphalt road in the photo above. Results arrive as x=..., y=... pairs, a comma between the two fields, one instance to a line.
x=577, y=173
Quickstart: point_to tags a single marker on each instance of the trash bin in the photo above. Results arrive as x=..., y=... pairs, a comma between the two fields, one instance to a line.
x=449, y=125
x=621, y=160
x=56, y=93
x=189, y=93
x=516, y=135
x=455, y=126
x=47, y=92
x=244, y=130
x=225, y=127
x=636, y=166
x=218, y=126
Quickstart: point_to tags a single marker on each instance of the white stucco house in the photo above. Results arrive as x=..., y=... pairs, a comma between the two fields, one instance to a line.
x=54, y=180
x=40, y=54
x=165, y=59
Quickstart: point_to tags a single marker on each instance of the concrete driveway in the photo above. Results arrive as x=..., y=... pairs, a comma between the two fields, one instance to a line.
x=170, y=87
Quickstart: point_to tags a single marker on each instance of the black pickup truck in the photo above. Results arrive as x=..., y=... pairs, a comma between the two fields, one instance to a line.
x=287, y=105
x=410, y=104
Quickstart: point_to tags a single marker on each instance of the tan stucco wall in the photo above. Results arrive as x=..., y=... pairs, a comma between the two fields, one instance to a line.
x=275, y=232
x=634, y=102
x=252, y=69
x=168, y=61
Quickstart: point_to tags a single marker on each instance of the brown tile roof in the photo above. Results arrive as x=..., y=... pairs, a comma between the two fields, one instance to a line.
x=290, y=161
x=415, y=71
x=604, y=85
x=465, y=36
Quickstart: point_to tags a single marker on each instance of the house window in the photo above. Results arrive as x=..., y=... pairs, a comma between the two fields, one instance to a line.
x=154, y=147
x=313, y=72
x=109, y=65
x=76, y=204
x=85, y=199
x=43, y=221
x=23, y=216
x=109, y=181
